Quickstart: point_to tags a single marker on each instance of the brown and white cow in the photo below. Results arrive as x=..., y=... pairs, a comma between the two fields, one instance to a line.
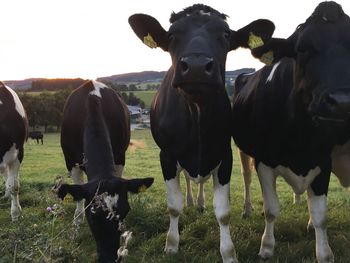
x=191, y=112
x=13, y=133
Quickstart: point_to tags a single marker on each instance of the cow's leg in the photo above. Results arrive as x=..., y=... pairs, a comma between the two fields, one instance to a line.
x=318, y=215
x=267, y=180
x=119, y=170
x=78, y=178
x=175, y=202
x=201, y=197
x=296, y=199
x=246, y=170
x=221, y=204
x=189, y=194
x=12, y=188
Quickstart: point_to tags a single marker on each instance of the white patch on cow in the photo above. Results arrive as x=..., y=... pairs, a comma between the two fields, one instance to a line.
x=299, y=183
x=341, y=163
x=111, y=202
x=18, y=103
x=269, y=78
x=175, y=207
x=221, y=204
x=318, y=215
x=98, y=86
x=1, y=102
x=203, y=13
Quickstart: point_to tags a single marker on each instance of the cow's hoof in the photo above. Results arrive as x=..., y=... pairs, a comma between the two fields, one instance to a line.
x=265, y=253
x=171, y=250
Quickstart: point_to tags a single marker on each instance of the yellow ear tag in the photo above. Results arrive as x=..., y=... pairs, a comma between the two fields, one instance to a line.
x=267, y=58
x=142, y=188
x=68, y=199
x=149, y=41
x=254, y=41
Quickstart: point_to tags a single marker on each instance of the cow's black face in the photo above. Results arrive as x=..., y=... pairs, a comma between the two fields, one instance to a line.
x=106, y=207
x=322, y=49
x=198, y=45
x=198, y=42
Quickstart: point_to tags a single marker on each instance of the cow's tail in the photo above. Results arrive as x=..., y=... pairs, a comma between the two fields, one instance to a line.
x=97, y=143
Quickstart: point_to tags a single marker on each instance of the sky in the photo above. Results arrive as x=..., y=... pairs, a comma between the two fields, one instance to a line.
x=92, y=38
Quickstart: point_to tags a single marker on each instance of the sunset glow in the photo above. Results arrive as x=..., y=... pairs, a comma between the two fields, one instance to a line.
x=89, y=39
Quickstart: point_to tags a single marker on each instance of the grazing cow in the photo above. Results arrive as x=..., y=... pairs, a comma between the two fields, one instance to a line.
x=191, y=112
x=291, y=114
x=36, y=135
x=116, y=117
x=13, y=133
x=105, y=194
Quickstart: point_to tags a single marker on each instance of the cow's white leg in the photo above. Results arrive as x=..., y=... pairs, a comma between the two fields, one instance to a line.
x=296, y=199
x=221, y=205
x=246, y=170
x=318, y=214
x=119, y=170
x=78, y=178
x=267, y=180
x=175, y=207
x=12, y=188
x=201, y=197
x=189, y=193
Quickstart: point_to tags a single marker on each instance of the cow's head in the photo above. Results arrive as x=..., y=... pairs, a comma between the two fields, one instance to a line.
x=198, y=41
x=107, y=205
x=321, y=49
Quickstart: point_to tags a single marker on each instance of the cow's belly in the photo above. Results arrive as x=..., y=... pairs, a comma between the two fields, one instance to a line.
x=341, y=163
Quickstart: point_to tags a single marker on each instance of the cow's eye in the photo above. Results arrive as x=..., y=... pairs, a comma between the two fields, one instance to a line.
x=227, y=35
x=171, y=37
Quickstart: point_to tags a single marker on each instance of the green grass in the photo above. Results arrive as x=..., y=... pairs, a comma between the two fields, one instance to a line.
x=42, y=237
x=146, y=96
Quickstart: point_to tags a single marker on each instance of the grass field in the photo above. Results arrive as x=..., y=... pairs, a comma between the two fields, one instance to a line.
x=40, y=236
x=146, y=96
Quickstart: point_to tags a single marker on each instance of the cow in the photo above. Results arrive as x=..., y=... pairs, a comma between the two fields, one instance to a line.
x=191, y=112
x=106, y=194
x=13, y=133
x=292, y=117
x=36, y=135
x=117, y=120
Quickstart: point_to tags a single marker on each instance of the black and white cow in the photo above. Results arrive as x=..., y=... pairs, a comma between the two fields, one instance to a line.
x=106, y=194
x=191, y=112
x=289, y=116
x=117, y=120
x=36, y=135
x=13, y=133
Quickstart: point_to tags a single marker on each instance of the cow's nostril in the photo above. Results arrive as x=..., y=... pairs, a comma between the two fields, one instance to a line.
x=184, y=66
x=209, y=67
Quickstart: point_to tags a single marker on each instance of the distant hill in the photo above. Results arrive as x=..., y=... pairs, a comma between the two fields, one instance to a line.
x=38, y=84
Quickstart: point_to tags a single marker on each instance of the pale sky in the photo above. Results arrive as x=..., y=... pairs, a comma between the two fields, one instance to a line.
x=92, y=38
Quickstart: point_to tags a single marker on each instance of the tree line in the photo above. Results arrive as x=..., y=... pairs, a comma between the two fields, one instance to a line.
x=45, y=108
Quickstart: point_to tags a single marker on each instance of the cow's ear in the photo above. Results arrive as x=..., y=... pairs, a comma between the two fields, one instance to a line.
x=253, y=35
x=149, y=30
x=139, y=185
x=75, y=190
x=274, y=50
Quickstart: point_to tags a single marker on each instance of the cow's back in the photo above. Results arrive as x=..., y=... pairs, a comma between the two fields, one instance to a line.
x=75, y=111
x=13, y=122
